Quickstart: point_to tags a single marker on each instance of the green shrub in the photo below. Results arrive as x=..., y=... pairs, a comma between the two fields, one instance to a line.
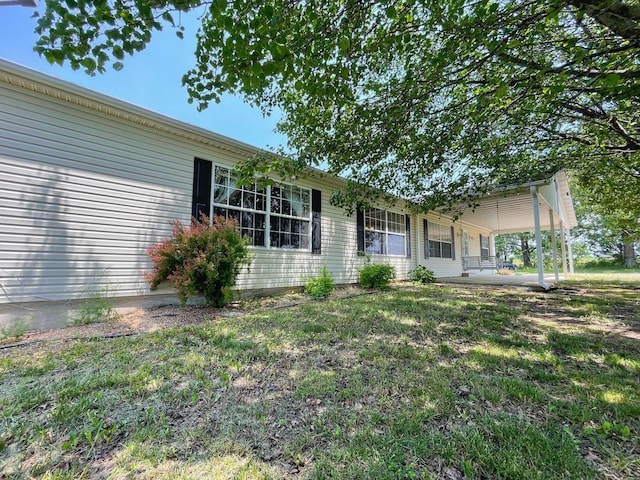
x=204, y=258
x=319, y=287
x=421, y=274
x=13, y=330
x=376, y=275
x=97, y=307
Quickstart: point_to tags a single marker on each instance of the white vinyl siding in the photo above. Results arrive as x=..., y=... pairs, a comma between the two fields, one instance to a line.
x=87, y=187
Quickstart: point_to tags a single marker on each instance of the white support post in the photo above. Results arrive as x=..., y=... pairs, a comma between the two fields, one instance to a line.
x=492, y=248
x=554, y=246
x=563, y=250
x=536, y=221
x=570, y=251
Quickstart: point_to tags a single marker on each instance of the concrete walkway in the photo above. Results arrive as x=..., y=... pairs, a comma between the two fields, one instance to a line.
x=529, y=281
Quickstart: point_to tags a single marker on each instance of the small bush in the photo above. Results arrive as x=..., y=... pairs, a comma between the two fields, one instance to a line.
x=13, y=330
x=421, y=274
x=319, y=287
x=204, y=258
x=97, y=308
x=376, y=275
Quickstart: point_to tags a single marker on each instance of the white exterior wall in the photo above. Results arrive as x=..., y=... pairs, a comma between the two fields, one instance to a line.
x=85, y=191
x=83, y=195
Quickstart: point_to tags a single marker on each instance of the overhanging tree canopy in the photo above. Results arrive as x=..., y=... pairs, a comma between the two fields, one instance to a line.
x=432, y=100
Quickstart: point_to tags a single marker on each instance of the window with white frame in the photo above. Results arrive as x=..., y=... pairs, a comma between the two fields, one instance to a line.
x=276, y=216
x=384, y=232
x=440, y=240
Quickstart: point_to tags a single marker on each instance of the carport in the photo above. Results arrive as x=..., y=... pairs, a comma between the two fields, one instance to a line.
x=543, y=205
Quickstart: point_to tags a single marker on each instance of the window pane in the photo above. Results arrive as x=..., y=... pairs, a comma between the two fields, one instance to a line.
x=221, y=176
x=374, y=242
x=260, y=202
x=434, y=249
x=274, y=239
x=304, y=241
x=295, y=240
x=247, y=220
x=221, y=194
x=248, y=233
x=233, y=215
x=235, y=198
x=275, y=204
x=369, y=222
x=285, y=240
x=396, y=244
x=259, y=221
x=221, y=212
x=258, y=239
x=286, y=207
x=275, y=223
x=446, y=250
x=249, y=200
x=395, y=222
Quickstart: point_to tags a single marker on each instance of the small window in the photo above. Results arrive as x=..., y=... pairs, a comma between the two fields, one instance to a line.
x=440, y=241
x=484, y=247
x=384, y=232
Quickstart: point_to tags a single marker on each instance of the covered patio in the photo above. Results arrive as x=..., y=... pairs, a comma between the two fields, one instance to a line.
x=544, y=205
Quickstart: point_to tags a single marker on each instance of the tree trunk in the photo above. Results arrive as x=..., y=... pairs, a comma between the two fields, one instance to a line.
x=628, y=253
x=526, y=251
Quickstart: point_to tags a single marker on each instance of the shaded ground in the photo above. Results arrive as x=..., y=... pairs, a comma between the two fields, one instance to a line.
x=419, y=382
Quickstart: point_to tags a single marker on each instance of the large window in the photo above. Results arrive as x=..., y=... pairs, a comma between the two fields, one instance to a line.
x=384, y=232
x=440, y=240
x=276, y=216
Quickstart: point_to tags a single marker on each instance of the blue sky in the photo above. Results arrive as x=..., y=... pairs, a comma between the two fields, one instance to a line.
x=150, y=79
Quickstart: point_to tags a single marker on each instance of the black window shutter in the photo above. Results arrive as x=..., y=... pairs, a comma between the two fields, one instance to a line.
x=316, y=221
x=201, y=200
x=360, y=230
x=453, y=243
x=425, y=224
x=408, y=235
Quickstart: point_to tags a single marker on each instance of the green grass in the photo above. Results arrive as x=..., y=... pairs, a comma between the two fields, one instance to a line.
x=412, y=383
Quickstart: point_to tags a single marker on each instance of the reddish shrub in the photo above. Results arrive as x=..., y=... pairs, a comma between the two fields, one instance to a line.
x=203, y=258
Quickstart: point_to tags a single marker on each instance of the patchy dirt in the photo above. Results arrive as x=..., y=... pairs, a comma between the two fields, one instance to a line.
x=623, y=319
x=146, y=320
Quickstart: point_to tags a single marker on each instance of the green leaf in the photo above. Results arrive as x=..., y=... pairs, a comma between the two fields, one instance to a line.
x=118, y=52
x=344, y=43
x=89, y=64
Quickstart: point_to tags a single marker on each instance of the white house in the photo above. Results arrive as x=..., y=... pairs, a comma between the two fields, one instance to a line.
x=88, y=183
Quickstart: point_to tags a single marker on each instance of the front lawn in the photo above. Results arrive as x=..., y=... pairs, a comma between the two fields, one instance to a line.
x=417, y=382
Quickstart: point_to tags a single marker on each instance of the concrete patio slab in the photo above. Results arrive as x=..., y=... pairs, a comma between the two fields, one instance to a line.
x=529, y=281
